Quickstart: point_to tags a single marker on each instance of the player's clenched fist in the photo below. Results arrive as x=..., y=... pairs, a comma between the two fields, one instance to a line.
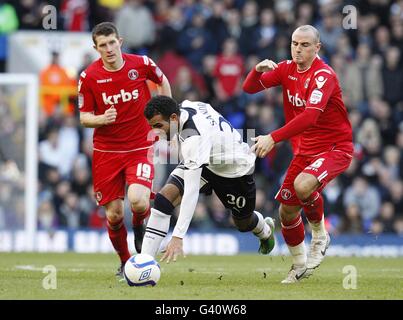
x=266, y=65
x=110, y=115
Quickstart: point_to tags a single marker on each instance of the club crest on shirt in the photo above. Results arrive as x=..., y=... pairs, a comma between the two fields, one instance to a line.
x=133, y=74
x=285, y=194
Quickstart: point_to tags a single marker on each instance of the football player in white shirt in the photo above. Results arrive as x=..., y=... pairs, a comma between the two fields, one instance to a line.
x=213, y=158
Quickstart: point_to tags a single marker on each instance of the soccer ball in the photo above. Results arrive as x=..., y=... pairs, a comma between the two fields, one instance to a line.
x=142, y=270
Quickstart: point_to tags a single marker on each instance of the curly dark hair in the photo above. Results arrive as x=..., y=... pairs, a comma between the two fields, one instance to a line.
x=163, y=105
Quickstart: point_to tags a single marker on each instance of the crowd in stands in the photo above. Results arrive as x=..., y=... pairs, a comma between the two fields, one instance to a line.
x=206, y=48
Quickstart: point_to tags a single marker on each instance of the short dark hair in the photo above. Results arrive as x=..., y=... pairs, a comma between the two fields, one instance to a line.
x=104, y=29
x=162, y=105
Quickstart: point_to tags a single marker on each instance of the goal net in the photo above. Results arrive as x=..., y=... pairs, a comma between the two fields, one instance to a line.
x=18, y=161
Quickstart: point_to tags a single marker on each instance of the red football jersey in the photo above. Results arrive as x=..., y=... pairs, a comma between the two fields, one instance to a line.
x=125, y=89
x=318, y=88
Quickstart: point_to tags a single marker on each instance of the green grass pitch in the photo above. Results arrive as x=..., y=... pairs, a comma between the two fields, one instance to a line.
x=244, y=277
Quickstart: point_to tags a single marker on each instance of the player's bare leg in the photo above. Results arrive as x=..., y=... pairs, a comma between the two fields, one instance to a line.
x=117, y=232
x=312, y=202
x=139, y=198
x=293, y=232
x=158, y=224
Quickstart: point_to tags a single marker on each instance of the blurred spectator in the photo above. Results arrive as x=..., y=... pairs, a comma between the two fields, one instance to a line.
x=50, y=150
x=194, y=41
x=387, y=216
x=265, y=34
x=352, y=220
x=135, y=16
x=183, y=83
x=249, y=22
x=56, y=88
x=305, y=14
x=228, y=72
x=396, y=195
x=216, y=25
x=398, y=226
x=381, y=111
x=71, y=214
x=330, y=31
x=369, y=136
x=130, y=19
x=168, y=33
x=46, y=216
x=363, y=80
x=28, y=14
x=75, y=15
x=382, y=40
x=392, y=76
x=233, y=24
x=365, y=196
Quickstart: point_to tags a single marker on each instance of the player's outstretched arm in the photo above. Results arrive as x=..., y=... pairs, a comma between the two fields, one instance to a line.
x=90, y=120
x=191, y=181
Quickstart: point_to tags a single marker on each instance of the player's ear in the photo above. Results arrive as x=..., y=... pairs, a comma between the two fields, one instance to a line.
x=120, y=41
x=318, y=46
x=173, y=117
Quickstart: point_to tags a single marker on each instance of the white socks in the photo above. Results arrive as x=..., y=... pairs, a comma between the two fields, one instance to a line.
x=262, y=230
x=298, y=254
x=156, y=230
x=318, y=229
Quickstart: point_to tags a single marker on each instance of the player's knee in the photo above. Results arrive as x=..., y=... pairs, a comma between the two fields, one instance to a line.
x=163, y=205
x=139, y=204
x=288, y=213
x=114, y=215
x=244, y=224
x=302, y=187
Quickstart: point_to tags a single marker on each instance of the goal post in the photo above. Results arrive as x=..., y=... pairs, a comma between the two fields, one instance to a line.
x=30, y=172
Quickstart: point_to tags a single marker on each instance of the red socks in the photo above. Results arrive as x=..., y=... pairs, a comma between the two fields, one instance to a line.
x=313, y=207
x=118, y=235
x=138, y=217
x=293, y=231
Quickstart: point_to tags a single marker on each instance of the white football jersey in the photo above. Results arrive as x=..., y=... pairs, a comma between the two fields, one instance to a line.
x=206, y=138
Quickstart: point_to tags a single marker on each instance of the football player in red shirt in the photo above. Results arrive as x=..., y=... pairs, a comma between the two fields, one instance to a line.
x=320, y=133
x=112, y=94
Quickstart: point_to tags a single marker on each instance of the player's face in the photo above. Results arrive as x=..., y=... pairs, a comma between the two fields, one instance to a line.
x=165, y=129
x=109, y=47
x=304, y=48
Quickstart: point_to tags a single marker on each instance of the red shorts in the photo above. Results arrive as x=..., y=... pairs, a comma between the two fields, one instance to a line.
x=112, y=171
x=324, y=167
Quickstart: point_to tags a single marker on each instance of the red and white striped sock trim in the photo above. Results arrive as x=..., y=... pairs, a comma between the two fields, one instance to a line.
x=309, y=202
x=296, y=224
